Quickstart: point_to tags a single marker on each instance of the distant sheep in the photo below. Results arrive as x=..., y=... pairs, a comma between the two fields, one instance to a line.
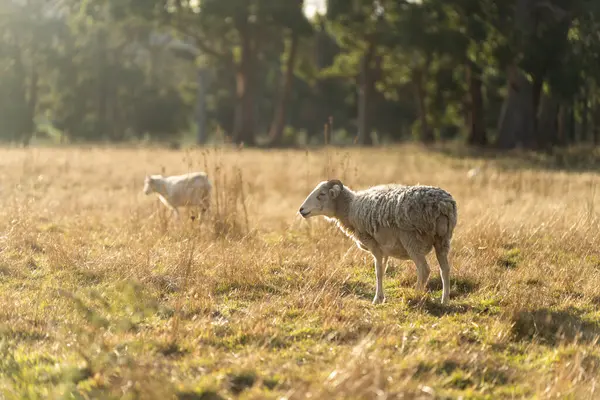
x=404, y=222
x=473, y=172
x=187, y=190
x=478, y=171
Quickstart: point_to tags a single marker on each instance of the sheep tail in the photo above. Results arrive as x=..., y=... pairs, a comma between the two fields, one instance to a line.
x=447, y=219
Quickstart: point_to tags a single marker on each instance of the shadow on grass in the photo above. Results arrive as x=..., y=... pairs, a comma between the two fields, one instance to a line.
x=359, y=289
x=171, y=349
x=21, y=334
x=206, y=395
x=460, y=374
x=246, y=291
x=459, y=287
x=554, y=327
x=436, y=308
x=238, y=382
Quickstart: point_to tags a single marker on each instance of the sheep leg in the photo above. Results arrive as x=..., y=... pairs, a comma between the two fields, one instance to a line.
x=441, y=252
x=204, y=211
x=423, y=271
x=385, y=264
x=193, y=214
x=379, y=272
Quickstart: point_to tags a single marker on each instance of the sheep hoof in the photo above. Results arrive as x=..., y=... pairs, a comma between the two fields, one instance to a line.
x=378, y=299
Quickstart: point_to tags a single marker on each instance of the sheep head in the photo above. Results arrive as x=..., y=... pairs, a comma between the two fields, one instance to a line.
x=322, y=200
x=149, y=183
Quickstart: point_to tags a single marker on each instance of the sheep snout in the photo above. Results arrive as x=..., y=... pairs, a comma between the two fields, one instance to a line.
x=303, y=212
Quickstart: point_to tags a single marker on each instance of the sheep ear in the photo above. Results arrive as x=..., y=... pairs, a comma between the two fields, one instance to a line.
x=335, y=190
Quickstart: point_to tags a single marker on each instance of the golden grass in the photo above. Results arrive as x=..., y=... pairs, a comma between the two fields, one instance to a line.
x=101, y=296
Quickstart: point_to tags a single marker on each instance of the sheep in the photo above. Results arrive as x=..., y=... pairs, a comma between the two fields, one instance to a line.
x=187, y=190
x=399, y=221
x=481, y=170
x=473, y=172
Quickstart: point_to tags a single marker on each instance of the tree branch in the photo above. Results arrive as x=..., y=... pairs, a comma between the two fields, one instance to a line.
x=201, y=43
x=558, y=13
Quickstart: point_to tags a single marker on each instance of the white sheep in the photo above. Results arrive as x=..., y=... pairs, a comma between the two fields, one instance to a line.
x=473, y=172
x=478, y=171
x=187, y=190
x=404, y=222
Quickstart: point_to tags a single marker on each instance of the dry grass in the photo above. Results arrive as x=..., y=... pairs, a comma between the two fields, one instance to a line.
x=102, y=297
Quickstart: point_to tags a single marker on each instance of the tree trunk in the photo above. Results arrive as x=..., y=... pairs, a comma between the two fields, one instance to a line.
x=201, y=126
x=561, y=137
x=595, y=121
x=571, y=124
x=515, y=126
x=584, y=137
x=419, y=77
x=426, y=132
x=536, y=95
x=240, y=82
x=516, y=123
x=548, y=122
x=102, y=90
x=276, y=131
x=244, y=113
x=477, y=131
x=365, y=92
x=32, y=97
x=18, y=95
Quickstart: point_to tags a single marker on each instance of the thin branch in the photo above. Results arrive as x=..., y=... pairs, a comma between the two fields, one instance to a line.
x=201, y=43
x=558, y=13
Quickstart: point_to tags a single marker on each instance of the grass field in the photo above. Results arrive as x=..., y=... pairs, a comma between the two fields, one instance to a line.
x=101, y=296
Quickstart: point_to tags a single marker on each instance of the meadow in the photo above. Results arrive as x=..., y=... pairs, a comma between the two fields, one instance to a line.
x=103, y=296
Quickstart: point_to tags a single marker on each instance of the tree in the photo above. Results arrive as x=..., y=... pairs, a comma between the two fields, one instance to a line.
x=513, y=73
x=295, y=23
x=27, y=30
x=357, y=27
x=539, y=44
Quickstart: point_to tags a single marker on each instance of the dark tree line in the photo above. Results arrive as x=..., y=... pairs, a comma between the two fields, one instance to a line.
x=513, y=73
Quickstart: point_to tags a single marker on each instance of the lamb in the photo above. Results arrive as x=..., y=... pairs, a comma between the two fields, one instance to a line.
x=473, y=172
x=399, y=221
x=187, y=190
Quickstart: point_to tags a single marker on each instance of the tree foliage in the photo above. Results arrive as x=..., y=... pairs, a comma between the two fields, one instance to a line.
x=511, y=73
